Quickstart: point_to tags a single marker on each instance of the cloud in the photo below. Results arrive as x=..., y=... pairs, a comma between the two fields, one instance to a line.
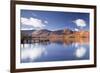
x=34, y=14
x=46, y=22
x=80, y=22
x=80, y=52
x=26, y=28
x=76, y=29
x=34, y=22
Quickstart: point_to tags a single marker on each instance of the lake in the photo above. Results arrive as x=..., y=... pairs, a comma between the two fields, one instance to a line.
x=54, y=51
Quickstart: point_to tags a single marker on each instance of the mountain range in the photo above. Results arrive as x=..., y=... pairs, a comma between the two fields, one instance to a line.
x=45, y=32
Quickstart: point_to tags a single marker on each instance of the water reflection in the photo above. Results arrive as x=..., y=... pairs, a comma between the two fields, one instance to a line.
x=32, y=52
x=80, y=52
x=55, y=51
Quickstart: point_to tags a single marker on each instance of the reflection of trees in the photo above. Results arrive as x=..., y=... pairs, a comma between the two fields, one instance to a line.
x=63, y=41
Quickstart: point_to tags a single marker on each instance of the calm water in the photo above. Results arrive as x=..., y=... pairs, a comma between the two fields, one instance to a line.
x=46, y=51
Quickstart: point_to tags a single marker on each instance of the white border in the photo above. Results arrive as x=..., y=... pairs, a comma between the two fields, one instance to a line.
x=53, y=64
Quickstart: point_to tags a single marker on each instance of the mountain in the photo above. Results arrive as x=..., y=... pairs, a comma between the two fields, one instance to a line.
x=27, y=32
x=44, y=32
x=60, y=32
x=57, y=35
x=41, y=31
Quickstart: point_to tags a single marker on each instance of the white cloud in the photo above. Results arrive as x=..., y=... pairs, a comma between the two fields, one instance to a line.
x=26, y=28
x=46, y=22
x=34, y=14
x=80, y=52
x=76, y=29
x=80, y=22
x=34, y=22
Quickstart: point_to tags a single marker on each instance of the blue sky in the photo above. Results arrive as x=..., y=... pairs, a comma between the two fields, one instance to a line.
x=52, y=20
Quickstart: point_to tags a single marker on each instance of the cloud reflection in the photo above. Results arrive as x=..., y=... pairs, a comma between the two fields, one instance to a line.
x=80, y=52
x=32, y=52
